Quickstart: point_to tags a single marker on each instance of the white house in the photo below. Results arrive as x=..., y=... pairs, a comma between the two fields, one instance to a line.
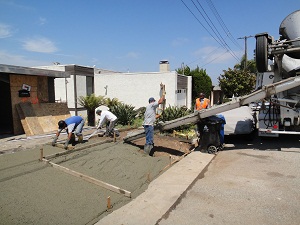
x=136, y=88
x=131, y=88
x=80, y=83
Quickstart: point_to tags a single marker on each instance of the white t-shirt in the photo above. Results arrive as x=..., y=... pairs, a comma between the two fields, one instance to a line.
x=106, y=115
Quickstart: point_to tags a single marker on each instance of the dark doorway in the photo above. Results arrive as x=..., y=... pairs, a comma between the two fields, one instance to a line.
x=6, y=122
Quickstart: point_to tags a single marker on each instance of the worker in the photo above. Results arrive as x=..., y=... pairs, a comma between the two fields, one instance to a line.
x=73, y=124
x=149, y=118
x=202, y=102
x=107, y=116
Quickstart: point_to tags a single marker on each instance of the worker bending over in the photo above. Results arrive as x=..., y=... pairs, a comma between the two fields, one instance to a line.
x=107, y=116
x=73, y=124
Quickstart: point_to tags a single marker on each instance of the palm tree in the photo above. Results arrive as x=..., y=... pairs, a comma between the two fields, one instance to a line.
x=91, y=102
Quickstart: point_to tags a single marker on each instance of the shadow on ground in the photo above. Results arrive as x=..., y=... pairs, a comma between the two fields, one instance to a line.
x=233, y=142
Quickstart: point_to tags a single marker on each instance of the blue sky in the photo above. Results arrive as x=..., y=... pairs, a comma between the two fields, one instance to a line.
x=134, y=35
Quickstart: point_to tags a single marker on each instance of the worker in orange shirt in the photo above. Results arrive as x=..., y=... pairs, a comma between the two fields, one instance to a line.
x=202, y=102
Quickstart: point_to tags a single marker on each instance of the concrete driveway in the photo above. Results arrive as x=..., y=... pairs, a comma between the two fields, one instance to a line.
x=248, y=183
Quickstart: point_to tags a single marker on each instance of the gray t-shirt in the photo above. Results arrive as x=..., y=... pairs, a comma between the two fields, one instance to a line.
x=150, y=113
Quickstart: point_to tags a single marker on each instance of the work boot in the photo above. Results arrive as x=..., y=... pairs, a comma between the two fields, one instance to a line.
x=147, y=149
x=151, y=152
x=80, y=138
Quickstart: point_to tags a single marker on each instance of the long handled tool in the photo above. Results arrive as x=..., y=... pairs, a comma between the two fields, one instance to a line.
x=91, y=135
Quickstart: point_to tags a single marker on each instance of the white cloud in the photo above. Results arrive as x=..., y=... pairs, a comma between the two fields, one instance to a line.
x=5, y=31
x=134, y=55
x=42, y=21
x=215, y=55
x=39, y=44
x=179, y=42
x=19, y=60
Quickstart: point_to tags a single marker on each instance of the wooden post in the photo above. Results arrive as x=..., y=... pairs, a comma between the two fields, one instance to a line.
x=41, y=154
x=115, y=137
x=108, y=203
x=148, y=177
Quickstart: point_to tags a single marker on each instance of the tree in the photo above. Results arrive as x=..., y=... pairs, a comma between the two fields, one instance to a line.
x=251, y=65
x=90, y=103
x=185, y=71
x=236, y=82
x=201, y=82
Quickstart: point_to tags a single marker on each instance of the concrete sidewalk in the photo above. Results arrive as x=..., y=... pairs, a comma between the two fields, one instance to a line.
x=162, y=193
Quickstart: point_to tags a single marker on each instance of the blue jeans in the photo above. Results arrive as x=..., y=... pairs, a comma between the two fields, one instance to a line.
x=149, y=130
x=78, y=130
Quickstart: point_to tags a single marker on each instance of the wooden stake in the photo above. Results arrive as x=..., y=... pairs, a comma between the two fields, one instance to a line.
x=41, y=154
x=115, y=139
x=148, y=177
x=108, y=203
x=185, y=154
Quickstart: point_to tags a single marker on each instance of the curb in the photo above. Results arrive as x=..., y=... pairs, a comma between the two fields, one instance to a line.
x=162, y=193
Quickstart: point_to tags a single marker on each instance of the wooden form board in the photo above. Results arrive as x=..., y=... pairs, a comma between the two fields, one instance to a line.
x=41, y=118
x=90, y=179
x=76, y=149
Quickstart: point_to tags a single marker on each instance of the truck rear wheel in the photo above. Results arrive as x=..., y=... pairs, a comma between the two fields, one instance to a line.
x=261, y=54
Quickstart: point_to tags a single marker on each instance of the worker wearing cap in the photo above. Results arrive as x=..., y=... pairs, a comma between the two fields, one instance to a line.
x=202, y=102
x=107, y=116
x=73, y=124
x=148, y=124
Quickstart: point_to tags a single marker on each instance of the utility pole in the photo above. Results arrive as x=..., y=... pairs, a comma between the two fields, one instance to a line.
x=245, y=38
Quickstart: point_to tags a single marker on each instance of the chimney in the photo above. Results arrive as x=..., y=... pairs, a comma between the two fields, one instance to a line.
x=164, y=66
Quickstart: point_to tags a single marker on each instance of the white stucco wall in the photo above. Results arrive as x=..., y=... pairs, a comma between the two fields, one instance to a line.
x=136, y=88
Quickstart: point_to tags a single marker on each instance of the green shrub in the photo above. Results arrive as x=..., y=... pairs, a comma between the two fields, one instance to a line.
x=125, y=113
x=91, y=102
x=175, y=112
x=140, y=112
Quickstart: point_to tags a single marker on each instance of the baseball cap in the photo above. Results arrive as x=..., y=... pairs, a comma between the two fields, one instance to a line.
x=61, y=124
x=151, y=99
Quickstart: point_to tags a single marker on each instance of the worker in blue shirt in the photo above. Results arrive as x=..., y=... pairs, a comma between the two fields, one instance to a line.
x=73, y=124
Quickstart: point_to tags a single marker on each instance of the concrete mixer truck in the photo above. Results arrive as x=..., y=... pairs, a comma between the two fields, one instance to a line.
x=277, y=87
x=276, y=61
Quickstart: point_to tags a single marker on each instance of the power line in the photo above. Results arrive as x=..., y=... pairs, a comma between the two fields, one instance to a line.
x=222, y=24
x=220, y=40
x=200, y=22
x=218, y=36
